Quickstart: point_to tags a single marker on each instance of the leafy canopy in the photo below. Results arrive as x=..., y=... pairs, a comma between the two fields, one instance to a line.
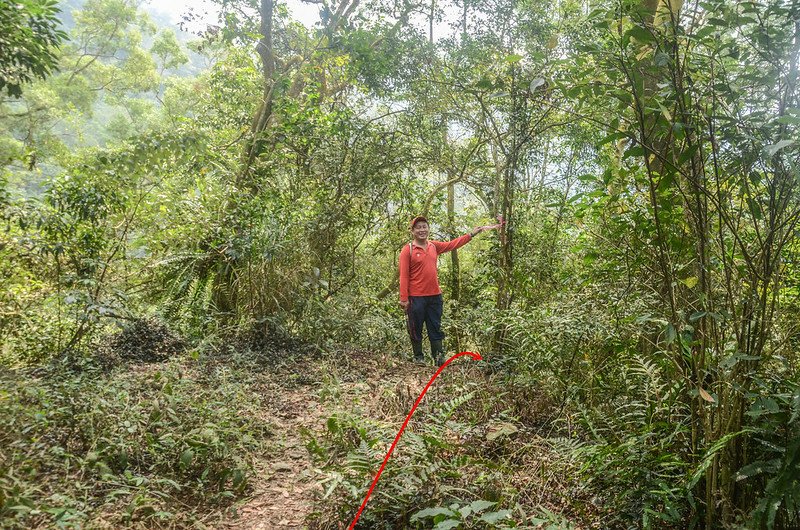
x=29, y=36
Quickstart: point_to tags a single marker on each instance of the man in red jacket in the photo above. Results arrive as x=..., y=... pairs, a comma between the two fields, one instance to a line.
x=420, y=294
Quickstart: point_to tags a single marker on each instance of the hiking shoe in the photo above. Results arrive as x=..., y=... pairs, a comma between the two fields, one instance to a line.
x=416, y=347
x=437, y=352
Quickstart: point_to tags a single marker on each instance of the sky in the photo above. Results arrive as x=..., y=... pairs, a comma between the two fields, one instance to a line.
x=308, y=14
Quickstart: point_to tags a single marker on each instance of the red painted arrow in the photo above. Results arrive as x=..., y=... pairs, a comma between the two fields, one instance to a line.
x=476, y=357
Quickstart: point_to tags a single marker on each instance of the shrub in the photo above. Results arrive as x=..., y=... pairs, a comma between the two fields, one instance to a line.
x=132, y=444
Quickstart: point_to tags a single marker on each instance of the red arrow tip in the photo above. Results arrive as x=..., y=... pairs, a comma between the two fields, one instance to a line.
x=475, y=357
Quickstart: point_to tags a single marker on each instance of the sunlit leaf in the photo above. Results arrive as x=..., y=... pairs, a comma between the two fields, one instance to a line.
x=770, y=150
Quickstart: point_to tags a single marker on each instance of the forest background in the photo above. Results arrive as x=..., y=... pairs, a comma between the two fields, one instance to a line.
x=182, y=214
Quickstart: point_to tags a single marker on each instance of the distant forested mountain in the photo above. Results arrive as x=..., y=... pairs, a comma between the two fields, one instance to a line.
x=124, y=69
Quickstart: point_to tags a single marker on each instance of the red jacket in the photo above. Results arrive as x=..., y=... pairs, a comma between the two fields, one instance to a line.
x=418, y=275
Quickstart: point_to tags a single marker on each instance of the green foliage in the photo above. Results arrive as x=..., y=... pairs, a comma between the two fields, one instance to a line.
x=645, y=281
x=773, y=476
x=407, y=479
x=74, y=242
x=103, y=69
x=694, y=217
x=128, y=446
x=168, y=50
x=641, y=472
x=440, y=472
x=29, y=37
x=383, y=60
x=473, y=515
x=635, y=420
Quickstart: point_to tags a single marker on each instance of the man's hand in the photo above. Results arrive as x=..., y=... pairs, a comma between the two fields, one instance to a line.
x=478, y=229
x=404, y=305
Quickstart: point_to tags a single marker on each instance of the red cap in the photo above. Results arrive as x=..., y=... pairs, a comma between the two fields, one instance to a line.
x=416, y=220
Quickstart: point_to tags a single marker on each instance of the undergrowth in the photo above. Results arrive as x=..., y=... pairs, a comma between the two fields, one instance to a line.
x=461, y=464
x=138, y=445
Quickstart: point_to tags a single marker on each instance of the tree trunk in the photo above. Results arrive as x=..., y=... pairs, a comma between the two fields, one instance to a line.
x=507, y=186
x=261, y=119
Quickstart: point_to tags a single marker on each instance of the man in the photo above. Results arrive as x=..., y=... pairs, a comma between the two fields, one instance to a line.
x=420, y=294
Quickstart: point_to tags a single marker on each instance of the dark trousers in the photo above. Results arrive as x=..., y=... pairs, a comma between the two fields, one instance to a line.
x=427, y=310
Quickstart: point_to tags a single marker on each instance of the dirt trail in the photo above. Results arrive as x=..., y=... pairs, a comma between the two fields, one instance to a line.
x=299, y=396
x=284, y=484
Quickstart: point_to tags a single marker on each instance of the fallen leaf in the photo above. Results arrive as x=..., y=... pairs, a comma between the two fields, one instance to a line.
x=705, y=395
x=500, y=429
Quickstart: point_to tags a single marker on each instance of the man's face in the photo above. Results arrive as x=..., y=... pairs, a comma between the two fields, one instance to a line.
x=420, y=230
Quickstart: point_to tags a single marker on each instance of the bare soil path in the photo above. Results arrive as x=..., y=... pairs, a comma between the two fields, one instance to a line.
x=285, y=484
x=284, y=490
